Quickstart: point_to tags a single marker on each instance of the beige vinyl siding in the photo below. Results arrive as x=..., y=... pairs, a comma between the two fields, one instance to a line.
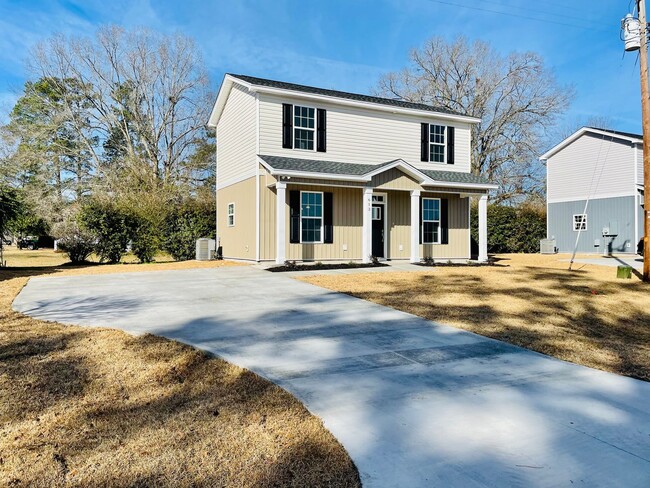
x=238, y=241
x=267, y=218
x=394, y=179
x=236, y=138
x=361, y=135
x=398, y=214
x=592, y=166
x=458, y=246
x=347, y=220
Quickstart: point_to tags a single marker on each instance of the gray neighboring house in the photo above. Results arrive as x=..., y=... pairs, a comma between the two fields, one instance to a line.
x=605, y=167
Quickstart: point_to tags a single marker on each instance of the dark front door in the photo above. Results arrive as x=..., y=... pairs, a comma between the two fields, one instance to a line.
x=378, y=231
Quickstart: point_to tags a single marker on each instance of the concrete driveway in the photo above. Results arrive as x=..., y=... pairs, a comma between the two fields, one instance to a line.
x=414, y=403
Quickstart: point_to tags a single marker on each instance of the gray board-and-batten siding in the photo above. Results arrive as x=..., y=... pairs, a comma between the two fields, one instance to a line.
x=615, y=213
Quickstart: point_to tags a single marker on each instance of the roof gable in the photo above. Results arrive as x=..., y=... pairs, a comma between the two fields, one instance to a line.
x=612, y=134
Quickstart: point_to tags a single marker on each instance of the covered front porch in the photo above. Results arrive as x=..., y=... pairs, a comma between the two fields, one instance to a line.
x=392, y=212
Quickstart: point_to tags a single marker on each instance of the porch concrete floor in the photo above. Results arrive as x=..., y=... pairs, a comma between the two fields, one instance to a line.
x=414, y=403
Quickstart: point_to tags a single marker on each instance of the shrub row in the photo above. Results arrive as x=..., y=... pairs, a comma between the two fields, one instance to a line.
x=512, y=229
x=109, y=228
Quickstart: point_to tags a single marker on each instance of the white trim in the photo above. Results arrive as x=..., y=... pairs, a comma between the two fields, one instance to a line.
x=404, y=167
x=580, y=132
x=438, y=221
x=228, y=214
x=443, y=144
x=235, y=180
x=636, y=198
x=366, y=229
x=469, y=222
x=257, y=181
x=293, y=129
x=322, y=218
x=226, y=86
x=280, y=223
x=583, y=221
x=415, y=226
x=482, y=229
x=584, y=197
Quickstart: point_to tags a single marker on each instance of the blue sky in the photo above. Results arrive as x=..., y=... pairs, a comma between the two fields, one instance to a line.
x=347, y=45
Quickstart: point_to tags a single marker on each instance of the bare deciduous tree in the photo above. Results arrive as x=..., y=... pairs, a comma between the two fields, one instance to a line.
x=516, y=97
x=145, y=100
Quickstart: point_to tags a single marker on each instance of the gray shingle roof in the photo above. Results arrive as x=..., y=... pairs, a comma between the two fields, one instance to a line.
x=340, y=94
x=280, y=163
x=620, y=133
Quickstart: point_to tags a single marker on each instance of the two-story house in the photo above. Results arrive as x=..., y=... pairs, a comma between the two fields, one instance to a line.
x=602, y=171
x=305, y=173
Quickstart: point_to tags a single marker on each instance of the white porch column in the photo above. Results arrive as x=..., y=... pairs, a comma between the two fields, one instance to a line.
x=280, y=222
x=415, y=226
x=366, y=236
x=482, y=229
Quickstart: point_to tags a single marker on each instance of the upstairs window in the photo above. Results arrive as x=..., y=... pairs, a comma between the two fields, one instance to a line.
x=311, y=217
x=437, y=143
x=304, y=127
x=580, y=222
x=431, y=221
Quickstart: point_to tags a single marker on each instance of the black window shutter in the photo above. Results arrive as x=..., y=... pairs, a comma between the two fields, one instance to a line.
x=321, y=135
x=444, y=221
x=420, y=220
x=328, y=218
x=294, y=216
x=287, y=126
x=424, y=142
x=450, y=145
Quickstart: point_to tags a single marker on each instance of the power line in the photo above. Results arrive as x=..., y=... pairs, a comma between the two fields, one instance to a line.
x=512, y=14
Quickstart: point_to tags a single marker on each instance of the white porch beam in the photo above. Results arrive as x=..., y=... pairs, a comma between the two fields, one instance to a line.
x=366, y=237
x=280, y=222
x=482, y=229
x=415, y=226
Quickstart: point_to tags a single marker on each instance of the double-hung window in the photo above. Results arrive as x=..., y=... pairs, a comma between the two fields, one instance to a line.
x=431, y=221
x=231, y=215
x=437, y=143
x=311, y=217
x=580, y=222
x=304, y=127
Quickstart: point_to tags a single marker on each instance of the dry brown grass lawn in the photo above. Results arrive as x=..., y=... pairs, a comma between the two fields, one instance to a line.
x=97, y=407
x=585, y=316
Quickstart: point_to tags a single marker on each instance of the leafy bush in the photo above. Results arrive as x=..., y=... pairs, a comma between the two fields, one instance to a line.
x=512, y=229
x=145, y=238
x=185, y=223
x=109, y=225
x=75, y=241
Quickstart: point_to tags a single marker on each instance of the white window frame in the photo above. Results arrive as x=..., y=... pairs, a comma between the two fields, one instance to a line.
x=313, y=149
x=438, y=221
x=322, y=218
x=231, y=206
x=580, y=226
x=443, y=144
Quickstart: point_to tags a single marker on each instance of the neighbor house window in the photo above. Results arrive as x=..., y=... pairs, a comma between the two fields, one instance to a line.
x=231, y=215
x=431, y=221
x=580, y=222
x=311, y=216
x=304, y=124
x=437, y=143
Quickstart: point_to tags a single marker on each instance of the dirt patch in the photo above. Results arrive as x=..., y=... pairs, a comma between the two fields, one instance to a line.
x=97, y=407
x=585, y=316
x=322, y=266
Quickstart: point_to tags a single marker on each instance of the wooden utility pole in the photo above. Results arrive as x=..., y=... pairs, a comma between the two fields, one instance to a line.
x=645, y=115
